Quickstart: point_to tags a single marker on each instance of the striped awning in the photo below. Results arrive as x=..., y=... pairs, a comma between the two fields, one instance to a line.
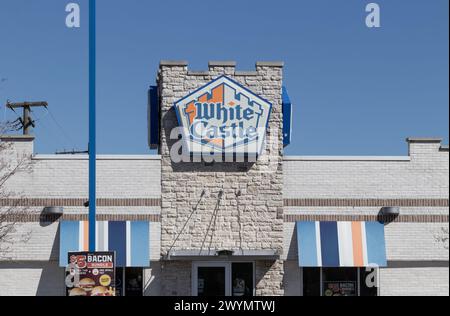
x=341, y=244
x=129, y=239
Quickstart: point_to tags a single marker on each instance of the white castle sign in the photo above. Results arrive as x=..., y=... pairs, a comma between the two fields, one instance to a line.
x=223, y=117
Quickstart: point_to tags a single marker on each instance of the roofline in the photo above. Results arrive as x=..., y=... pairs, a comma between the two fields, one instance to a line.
x=424, y=140
x=99, y=157
x=17, y=138
x=285, y=158
x=347, y=158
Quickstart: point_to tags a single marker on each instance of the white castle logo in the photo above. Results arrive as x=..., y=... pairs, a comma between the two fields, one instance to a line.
x=223, y=116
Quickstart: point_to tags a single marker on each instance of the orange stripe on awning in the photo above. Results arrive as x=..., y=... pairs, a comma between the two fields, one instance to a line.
x=358, y=258
x=86, y=236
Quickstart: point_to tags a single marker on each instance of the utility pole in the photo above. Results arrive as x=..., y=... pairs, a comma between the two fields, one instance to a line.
x=26, y=119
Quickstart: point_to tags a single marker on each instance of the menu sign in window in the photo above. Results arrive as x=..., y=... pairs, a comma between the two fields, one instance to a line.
x=91, y=274
x=339, y=288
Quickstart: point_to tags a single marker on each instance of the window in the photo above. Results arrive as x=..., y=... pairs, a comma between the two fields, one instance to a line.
x=223, y=278
x=129, y=281
x=211, y=281
x=242, y=279
x=311, y=281
x=339, y=282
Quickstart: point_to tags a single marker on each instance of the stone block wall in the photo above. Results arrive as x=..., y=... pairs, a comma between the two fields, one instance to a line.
x=232, y=206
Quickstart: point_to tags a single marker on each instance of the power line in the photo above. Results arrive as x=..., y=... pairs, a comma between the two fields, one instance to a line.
x=45, y=127
x=27, y=121
x=40, y=119
x=60, y=127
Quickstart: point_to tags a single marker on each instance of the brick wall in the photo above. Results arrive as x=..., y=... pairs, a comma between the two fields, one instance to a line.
x=417, y=258
x=419, y=281
x=416, y=242
x=31, y=278
x=46, y=278
x=423, y=174
x=399, y=281
x=67, y=177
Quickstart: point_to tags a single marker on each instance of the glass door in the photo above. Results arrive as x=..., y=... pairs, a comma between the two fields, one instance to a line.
x=242, y=279
x=129, y=282
x=133, y=284
x=211, y=279
x=223, y=278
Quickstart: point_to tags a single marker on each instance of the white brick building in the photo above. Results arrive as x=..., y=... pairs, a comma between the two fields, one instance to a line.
x=253, y=209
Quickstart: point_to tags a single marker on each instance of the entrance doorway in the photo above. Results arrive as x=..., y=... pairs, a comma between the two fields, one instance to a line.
x=223, y=278
x=129, y=282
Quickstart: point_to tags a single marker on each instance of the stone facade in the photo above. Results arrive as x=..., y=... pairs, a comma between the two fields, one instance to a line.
x=224, y=206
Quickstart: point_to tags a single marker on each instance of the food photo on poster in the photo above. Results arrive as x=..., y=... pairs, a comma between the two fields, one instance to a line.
x=91, y=274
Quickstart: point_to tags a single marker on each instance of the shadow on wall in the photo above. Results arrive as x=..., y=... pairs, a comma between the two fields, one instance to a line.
x=292, y=252
x=51, y=282
x=266, y=278
x=292, y=279
x=33, y=278
x=152, y=286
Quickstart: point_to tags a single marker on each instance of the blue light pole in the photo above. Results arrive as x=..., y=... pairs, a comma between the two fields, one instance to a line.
x=92, y=127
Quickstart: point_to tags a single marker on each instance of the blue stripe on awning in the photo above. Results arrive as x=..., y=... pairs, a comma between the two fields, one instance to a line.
x=307, y=243
x=330, y=245
x=69, y=241
x=324, y=244
x=117, y=232
x=140, y=232
x=376, y=244
x=131, y=242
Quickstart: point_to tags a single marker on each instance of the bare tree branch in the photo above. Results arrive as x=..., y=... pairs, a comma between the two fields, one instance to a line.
x=11, y=166
x=442, y=237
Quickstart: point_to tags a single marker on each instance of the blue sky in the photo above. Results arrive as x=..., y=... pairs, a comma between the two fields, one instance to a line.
x=356, y=91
